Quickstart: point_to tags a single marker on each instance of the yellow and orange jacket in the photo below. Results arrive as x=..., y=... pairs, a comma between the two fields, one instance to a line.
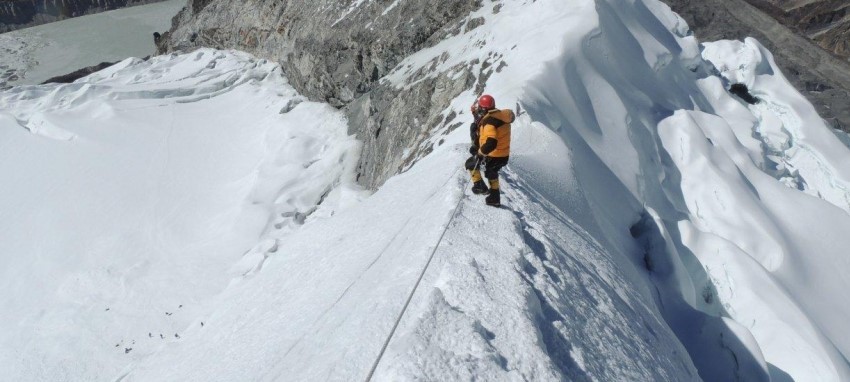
x=494, y=133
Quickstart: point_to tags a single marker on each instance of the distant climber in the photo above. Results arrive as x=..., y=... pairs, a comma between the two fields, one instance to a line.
x=491, y=146
x=157, y=38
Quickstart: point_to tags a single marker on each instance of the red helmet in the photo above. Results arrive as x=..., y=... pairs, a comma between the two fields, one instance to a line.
x=486, y=102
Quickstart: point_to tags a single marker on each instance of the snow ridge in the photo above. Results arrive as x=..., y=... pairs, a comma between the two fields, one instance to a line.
x=657, y=227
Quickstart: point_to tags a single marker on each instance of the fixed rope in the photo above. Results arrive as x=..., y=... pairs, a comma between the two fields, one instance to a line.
x=416, y=286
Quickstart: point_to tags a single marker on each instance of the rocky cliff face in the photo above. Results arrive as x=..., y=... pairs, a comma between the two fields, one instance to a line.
x=827, y=22
x=821, y=75
x=17, y=14
x=338, y=52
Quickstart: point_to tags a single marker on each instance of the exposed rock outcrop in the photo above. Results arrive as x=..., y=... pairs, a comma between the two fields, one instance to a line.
x=828, y=23
x=77, y=74
x=17, y=14
x=338, y=52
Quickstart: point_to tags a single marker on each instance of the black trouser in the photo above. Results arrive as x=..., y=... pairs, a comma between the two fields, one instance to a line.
x=492, y=165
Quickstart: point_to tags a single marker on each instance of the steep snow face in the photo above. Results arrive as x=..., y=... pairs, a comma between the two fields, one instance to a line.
x=795, y=173
x=132, y=197
x=748, y=201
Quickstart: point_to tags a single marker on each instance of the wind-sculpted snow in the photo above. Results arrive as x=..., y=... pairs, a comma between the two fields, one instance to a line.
x=798, y=146
x=133, y=196
x=193, y=218
x=753, y=288
x=743, y=215
x=162, y=80
x=807, y=214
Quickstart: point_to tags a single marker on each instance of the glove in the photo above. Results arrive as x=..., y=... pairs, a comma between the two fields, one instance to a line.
x=473, y=150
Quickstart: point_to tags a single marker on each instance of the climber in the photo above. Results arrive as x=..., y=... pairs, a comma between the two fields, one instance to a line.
x=491, y=146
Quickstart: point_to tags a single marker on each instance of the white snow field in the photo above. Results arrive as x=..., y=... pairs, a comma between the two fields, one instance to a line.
x=33, y=55
x=656, y=227
x=130, y=197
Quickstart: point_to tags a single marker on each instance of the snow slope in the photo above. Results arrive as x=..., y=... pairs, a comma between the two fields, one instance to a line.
x=33, y=55
x=481, y=313
x=754, y=248
x=618, y=74
x=657, y=227
x=129, y=203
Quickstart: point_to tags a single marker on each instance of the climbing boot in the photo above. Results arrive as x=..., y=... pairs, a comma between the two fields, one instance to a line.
x=494, y=198
x=479, y=188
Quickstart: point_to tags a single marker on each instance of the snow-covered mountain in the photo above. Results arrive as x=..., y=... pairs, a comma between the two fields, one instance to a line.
x=192, y=217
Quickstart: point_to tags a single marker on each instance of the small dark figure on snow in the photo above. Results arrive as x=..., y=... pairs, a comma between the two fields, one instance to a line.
x=491, y=146
x=741, y=91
